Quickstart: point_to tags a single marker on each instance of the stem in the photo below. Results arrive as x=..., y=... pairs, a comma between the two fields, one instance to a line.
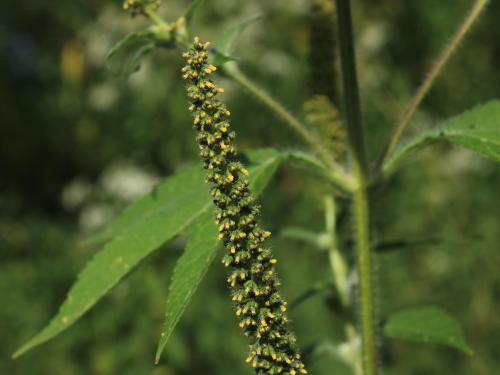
x=337, y=263
x=360, y=196
x=336, y=170
x=433, y=73
x=350, y=80
x=341, y=180
x=366, y=287
x=157, y=19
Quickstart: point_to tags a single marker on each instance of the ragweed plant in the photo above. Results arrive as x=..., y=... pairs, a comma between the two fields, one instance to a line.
x=336, y=136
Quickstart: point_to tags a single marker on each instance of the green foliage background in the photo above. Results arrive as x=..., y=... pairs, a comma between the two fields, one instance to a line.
x=78, y=142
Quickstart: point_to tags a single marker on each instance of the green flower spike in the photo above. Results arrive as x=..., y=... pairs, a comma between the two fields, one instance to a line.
x=253, y=280
x=139, y=6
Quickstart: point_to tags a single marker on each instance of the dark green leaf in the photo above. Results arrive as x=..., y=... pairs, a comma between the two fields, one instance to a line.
x=477, y=129
x=427, y=324
x=188, y=273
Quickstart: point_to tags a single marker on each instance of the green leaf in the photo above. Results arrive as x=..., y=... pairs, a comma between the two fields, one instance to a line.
x=427, y=324
x=265, y=162
x=191, y=11
x=153, y=220
x=188, y=273
x=125, y=56
x=477, y=130
x=200, y=250
x=223, y=45
x=149, y=223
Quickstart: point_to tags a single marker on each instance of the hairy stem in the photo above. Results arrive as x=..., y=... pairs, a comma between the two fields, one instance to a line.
x=360, y=196
x=342, y=179
x=431, y=76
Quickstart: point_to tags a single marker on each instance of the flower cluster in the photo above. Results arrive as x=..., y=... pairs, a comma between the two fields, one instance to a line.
x=253, y=280
x=139, y=6
x=322, y=115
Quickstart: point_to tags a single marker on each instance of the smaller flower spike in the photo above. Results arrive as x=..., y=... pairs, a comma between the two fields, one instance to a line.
x=139, y=6
x=253, y=281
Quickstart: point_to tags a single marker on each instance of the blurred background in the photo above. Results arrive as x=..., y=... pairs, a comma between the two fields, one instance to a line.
x=79, y=141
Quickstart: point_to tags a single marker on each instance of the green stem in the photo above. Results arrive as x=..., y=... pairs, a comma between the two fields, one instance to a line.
x=336, y=170
x=360, y=196
x=337, y=263
x=365, y=271
x=342, y=181
x=350, y=80
x=157, y=19
x=433, y=73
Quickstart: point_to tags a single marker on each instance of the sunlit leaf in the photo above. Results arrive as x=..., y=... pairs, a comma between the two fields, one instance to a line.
x=429, y=325
x=149, y=223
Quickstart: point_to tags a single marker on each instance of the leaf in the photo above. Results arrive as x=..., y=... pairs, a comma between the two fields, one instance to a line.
x=427, y=324
x=125, y=56
x=223, y=45
x=191, y=11
x=147, y=224
x=477, y=130
x=188, y=273
x=266, y=162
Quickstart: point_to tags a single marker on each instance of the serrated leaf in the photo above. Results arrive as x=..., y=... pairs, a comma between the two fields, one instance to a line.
x=477, y=129
x=146, y=225
x=429, y=325
x=188, y=273
x=200, y=251
x=223, y=45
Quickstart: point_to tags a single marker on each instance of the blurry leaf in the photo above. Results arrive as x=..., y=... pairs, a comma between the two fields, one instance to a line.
x=477, y=129
x=427, y=324
x=315, y=289
x=266, y=161
x=190, y=12
x=125, y=57
x=138, y=37
x=223, y=45
x=146, y=225
x=387, y=246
